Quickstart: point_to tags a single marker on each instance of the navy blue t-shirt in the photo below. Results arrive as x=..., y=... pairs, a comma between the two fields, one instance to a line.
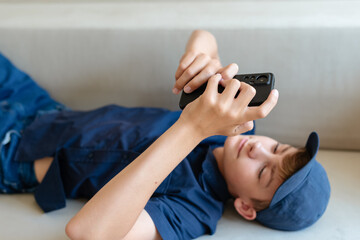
x=91, y=147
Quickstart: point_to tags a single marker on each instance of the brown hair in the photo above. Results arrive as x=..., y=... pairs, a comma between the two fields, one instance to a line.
x=290, y=165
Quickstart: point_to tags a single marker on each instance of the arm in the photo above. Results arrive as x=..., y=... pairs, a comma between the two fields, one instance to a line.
x=199, y=62
x=144, y=228
x=114, y=210
x=202, y=42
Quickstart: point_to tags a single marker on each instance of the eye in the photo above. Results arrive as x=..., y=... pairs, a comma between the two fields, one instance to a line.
x=276, y=147
x=261, y=171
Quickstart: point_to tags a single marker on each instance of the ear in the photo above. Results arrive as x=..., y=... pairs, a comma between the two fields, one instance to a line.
x=244, y=209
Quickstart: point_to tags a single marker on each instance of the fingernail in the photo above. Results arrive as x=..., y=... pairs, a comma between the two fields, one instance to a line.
x=187, y=89
x=219, y=77
x=175, y=90
x=276, y=93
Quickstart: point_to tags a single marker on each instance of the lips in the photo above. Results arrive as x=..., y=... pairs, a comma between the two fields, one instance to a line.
x=241, y=145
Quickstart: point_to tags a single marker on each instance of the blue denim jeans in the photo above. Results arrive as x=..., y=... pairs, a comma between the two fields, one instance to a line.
x=21, y=101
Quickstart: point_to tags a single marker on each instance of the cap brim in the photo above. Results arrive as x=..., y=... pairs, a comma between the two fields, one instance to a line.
x=312, y=146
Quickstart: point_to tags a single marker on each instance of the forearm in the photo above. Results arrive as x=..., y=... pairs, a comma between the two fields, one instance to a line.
x=204, y=42
x=118, y=204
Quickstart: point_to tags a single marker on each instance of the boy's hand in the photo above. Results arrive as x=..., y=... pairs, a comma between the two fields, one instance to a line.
x=196, y=68
x=216, y=113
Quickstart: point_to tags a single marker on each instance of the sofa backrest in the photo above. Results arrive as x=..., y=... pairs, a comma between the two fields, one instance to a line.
x=88, y=55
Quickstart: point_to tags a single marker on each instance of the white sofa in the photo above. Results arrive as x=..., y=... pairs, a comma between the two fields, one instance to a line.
x=87, y=54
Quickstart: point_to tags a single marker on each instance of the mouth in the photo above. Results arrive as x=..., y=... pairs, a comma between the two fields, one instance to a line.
x=241, y=145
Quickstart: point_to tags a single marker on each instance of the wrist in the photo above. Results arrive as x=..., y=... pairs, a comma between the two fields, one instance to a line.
x=191, y=129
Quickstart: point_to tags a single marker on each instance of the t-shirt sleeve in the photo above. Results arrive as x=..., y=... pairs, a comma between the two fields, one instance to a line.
x=176, y=218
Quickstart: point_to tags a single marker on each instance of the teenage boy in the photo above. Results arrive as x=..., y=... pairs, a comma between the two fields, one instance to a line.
x=152, y=173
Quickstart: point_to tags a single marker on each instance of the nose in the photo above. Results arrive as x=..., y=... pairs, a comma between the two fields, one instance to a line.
x=258, y=151
x=255, y=150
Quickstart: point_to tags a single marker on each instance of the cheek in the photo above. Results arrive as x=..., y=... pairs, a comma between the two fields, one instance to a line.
x=245, y=173
x=240, y=175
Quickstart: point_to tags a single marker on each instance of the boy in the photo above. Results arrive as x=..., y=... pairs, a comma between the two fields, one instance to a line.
x=152, y=173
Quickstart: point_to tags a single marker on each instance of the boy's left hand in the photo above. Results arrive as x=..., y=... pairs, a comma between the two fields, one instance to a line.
x=196, y=68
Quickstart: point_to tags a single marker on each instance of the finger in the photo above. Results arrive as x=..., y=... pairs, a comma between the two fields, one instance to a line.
x=199, y=63
x=265, y=108
x=202, y=77
x=212, y=86
x=185, y=62
x=229, y=71
x=231, y=89
x=245, y=96
x=244, y=127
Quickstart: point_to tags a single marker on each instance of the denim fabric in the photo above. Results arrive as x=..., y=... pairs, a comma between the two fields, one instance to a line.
x=21, y=101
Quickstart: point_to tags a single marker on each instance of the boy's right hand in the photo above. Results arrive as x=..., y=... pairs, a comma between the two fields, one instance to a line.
x=215, y=113
x=196, y=68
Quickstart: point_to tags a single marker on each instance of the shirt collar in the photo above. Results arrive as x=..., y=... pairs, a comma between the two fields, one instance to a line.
x=212, y=179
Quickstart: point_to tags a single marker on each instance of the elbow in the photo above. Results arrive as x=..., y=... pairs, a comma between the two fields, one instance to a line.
x=75, y=231
x=198, y=32
x=72, y=230
x=202, y=32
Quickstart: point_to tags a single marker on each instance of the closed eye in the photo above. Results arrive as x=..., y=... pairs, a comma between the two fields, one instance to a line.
x=276, y=147
x=261, y=171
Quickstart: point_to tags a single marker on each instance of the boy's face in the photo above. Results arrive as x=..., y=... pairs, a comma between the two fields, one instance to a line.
x=251, y=166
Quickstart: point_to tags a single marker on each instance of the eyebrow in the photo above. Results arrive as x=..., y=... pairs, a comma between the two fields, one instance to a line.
x=273, y=169
x=285, y=149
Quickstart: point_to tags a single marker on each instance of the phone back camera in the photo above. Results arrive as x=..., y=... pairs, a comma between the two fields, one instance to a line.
x=262, y=80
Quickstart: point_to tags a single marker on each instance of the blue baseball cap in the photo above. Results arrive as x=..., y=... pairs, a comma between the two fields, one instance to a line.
x=302, y=199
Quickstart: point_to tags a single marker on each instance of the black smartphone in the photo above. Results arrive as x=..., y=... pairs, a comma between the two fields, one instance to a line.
x=262, y=82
